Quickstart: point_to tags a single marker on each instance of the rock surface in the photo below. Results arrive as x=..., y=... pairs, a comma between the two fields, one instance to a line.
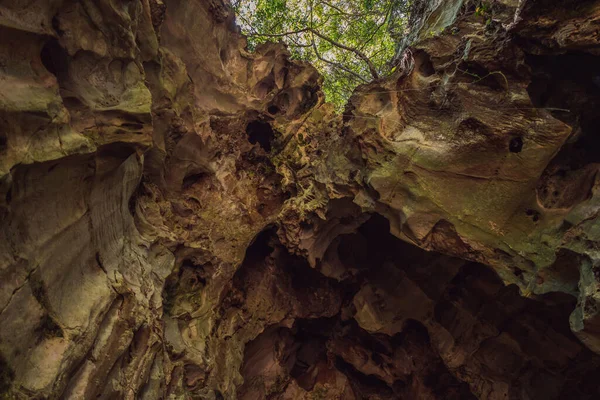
x=180, y=218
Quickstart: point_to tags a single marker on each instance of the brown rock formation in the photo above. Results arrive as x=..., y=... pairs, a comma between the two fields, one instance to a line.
x=180, y=218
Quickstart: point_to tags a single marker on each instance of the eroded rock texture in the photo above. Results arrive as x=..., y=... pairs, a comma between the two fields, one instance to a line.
x=181, y=218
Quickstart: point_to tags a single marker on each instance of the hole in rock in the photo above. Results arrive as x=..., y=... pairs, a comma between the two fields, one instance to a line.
x=518, y=272
x=425, y=65
x=273, y=109
x=9, y=196
x=53, y=57
x=56, y=25
x=262, y=133
x=223, y=55
x=261, y=246
x=565, y=270
x=533, y=214
x=515, y=145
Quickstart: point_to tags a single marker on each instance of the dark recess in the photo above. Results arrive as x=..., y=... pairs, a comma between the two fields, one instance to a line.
x=472, y=292
x=53, y=57
x=262, y=133
x=48, y=328
x=56, y=26
x=569, y=82
x=6, y=376
x=426, y=68
x=261, y=246
x=9, y=196
x=515, y=145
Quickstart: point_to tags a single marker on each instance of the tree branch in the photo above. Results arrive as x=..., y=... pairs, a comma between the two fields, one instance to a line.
x=337, y=65
x=340, y=66
x=385, y=18
x=342, y=12
x=281, y=34
x=315, y=32
x=359, y=53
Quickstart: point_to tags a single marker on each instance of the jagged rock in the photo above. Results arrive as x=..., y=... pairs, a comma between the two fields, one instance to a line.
x=181, y=218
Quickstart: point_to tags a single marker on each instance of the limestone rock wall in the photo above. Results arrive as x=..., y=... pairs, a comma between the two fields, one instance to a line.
x=180, y=218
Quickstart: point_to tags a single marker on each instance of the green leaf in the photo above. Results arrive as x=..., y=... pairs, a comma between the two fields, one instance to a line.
x=372, y=27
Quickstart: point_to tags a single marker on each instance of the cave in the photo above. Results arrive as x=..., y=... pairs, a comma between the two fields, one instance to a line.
x=192, y=211
x=48, y=56
x=467, y=301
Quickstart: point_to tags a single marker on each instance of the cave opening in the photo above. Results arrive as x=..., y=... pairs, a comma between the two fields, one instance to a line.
x=48, y=57
x=315, y=348
x=569, y=84
x=421, y=295
x=515, y=145
x=262, y=133
x=54, y=58
x=261, y=246
x=425, y=65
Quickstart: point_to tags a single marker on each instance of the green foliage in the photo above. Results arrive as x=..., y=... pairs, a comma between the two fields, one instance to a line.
x=483, y=10
x=349, y=41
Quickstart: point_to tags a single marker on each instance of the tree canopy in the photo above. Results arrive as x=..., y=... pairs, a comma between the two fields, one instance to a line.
x=349, y=41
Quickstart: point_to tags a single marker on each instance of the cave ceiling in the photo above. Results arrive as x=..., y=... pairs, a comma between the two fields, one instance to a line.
x=181, y=218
